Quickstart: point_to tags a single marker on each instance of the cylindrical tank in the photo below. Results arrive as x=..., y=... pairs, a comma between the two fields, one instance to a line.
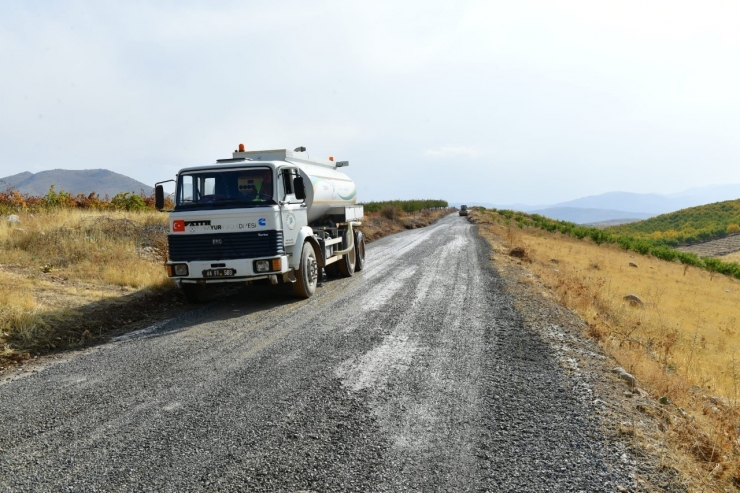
x=326, y=187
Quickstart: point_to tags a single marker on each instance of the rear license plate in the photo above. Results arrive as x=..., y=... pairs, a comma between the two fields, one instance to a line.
x=219, y=272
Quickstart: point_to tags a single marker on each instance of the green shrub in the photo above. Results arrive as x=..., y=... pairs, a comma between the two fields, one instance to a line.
x=128, y=202
x=390, y=212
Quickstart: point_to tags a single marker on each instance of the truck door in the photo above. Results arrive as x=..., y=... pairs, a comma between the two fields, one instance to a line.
x=293, y=211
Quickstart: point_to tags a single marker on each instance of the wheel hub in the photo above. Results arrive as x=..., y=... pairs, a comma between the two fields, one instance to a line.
x=312, y=270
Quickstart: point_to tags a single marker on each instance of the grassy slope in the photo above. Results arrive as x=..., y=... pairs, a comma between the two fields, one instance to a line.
x=691, y=225
x=642, y=244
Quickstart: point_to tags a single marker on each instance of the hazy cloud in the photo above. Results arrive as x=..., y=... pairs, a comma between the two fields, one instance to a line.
x=531, y=101
x=452, y=152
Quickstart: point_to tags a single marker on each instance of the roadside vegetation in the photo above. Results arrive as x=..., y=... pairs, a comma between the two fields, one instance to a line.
x=627, y=239
x=407, y=206
x=14, y=202
x=58, y=265
x=673, y=324
x=77, y=269
x=384, y=218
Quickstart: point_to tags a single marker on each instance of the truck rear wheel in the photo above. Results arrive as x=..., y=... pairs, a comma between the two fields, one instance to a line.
x=359, y=251
x=307, y=274
x=346, y=264
x=194, y=293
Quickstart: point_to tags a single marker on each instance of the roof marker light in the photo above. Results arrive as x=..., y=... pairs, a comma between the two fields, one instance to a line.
x=241, y=147
x=331, y=158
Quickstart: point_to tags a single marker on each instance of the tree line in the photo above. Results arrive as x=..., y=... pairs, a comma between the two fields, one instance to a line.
x=407, y=206
x=13, y=201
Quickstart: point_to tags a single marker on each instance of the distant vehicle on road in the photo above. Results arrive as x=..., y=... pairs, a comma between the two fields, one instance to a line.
x=463, y=210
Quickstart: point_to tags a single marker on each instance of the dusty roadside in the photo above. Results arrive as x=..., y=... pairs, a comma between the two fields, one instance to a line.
x=75, y=313
x=630, y=415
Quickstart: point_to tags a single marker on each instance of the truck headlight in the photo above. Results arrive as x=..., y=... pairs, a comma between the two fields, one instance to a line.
x=262, y=266
x=179, y=269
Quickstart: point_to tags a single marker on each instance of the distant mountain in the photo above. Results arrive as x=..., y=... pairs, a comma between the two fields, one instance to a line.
x=18, y=178
x=490, y=205
x=583, y=216
x=630, y=205
x=655, y=203
x=610, y=223
x=711, y=194
x=643, y=203
x=101, y=181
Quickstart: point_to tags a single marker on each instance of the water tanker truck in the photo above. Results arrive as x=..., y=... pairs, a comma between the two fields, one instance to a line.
x=262, y=217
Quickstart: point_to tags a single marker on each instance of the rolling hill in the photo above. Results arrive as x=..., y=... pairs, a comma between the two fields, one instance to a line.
x=691, y=225
x=101, y=181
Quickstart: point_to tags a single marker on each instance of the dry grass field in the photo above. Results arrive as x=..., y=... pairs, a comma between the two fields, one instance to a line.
x=55, y=267
x=678, y=332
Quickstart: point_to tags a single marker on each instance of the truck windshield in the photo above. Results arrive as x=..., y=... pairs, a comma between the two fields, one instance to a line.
x=227, y=188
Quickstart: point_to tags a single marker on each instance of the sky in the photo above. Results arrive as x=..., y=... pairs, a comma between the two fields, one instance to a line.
x=503, y=102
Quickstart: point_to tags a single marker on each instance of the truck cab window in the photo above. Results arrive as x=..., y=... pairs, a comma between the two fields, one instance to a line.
x=209, y=185
x=226, y=188
x=287, y=186
x=186, y=189
x=288, y=181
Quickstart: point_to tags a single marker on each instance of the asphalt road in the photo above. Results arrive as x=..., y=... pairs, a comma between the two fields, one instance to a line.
x=417, y=374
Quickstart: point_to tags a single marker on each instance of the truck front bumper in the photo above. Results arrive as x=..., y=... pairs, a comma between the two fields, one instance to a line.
x=221, y=271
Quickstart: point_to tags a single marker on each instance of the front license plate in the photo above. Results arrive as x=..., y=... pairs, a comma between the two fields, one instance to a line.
x=219, y=272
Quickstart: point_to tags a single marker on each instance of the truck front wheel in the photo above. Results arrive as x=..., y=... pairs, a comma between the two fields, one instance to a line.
x=307, y=274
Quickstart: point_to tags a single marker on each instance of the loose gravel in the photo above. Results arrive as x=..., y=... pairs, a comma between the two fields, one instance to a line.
x=422, y=373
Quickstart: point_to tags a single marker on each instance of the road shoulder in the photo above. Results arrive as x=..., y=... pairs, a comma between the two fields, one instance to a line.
x=625, y=416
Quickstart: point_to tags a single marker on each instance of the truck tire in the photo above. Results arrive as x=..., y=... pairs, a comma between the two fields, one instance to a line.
x=359, y=251
x=194, y=293
x=307, y=274
x=346, y=264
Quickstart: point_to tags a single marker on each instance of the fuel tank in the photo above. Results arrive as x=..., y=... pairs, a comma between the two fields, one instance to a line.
x=325, y=188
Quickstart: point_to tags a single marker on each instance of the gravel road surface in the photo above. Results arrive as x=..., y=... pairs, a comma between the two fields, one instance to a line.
x=417, y=374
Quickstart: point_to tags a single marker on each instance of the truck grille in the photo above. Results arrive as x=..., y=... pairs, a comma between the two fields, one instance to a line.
x=225, y=246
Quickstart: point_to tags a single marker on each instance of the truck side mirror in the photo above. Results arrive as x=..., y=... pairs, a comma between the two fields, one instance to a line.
x=159, y=197
x=299, y=187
